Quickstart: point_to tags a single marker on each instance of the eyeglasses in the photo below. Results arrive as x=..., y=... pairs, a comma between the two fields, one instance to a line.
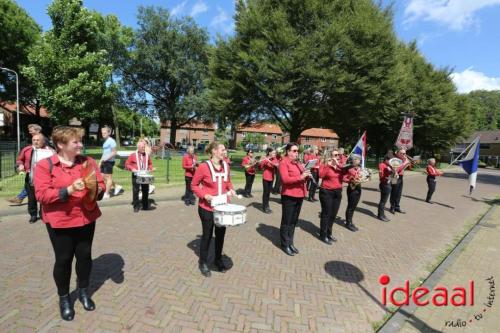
x=294, y=150
x=335, y=154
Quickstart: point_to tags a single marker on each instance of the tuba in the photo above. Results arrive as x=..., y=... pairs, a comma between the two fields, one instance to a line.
x=395, y=163
x=365, y=176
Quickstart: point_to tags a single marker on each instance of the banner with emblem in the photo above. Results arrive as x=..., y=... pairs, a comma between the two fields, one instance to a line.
x=405, y=137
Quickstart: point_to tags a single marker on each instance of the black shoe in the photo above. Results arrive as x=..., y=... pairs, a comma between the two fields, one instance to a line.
x=205, y=271
x=314, y=199
x=351, y=227
x=288, y=250
x=392, y=210
x=429, y=202
x=400, y=211
x=326, y=240
x=84, y=298
x=136, y=209
x=219, y=264
x=33, y=219
x=268, y=211
x=309, y=199
x=66, y=308
x=250, y=195
x=383, y=218
x=333, y=239
x=146, y=207
x=187, y=203
x=294, y=249
x=192, y=202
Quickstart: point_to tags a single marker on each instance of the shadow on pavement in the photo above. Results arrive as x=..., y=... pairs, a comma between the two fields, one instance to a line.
x=271, y=233
x=195, y=246
x=366, y=212
x=309, y=227
x=485, y=178
x=346, y=272
x=107, y=266
x=434, y=202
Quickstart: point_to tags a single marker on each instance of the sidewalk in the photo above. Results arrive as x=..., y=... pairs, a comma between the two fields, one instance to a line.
x=479, y=261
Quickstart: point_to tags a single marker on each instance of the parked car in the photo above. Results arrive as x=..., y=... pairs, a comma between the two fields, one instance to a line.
x=126, y=142
x=169, y=146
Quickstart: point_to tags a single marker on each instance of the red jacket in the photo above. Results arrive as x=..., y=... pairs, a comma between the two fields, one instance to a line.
x=352, y=173
x=269, y=168
x=227, y=160
x=203, y=177
x=59, y=209
x=384, y=172
x=433, y=172
x=331, y=177
x=24, y=158
x=291, y=182
x=189, y=164
x=246, y=161
x=131, y=163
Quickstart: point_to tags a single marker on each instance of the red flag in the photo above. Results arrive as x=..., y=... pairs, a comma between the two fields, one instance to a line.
x=405, y=137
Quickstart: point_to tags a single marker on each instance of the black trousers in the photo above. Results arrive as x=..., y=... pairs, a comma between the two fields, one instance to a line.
x=188, y=194
x=208, y=226
x=267, y=186
x=69, y=243
x=249, y=182
x=313, y=185
x=290, y=211
x=431, y=184
x=277, y=183
x=30, y=190
x=135, y=193
x=385, y=192
x=353, y=196
x=396, y=192
x=330, y=203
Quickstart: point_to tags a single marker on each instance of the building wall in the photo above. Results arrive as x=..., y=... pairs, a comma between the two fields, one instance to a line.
x=323, y=143
x=488, y=149
x=187, y=136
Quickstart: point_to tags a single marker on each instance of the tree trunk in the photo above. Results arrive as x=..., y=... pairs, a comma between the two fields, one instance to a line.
x=117, y=127
x=173, y=130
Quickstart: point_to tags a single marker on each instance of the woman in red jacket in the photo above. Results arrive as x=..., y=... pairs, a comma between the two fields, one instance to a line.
x=189, y=164
x=432, y=173
x=268, y=166
x=60, y=189
x=293, y=190
x=211, y=182
x=353, y=178
x=330, y=194
x=139, y=160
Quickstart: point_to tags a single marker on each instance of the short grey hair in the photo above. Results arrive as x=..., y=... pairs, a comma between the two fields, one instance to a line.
x=431, y=160
x=36, y=127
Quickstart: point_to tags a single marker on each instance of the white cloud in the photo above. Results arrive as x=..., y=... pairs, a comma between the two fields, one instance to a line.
x=221, y=21
x=198, y=8
x=470, y=80
x=456, y=14
x=178, y=9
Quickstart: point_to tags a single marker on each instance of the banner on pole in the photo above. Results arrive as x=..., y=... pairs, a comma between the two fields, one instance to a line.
x=405, y=137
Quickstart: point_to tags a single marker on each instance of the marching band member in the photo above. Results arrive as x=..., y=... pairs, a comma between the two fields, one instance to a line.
x=385, y=171
x=293, y=190
x=330, y=194
x=268, y=165
x=26, y=162
x=189, y=164
x=353, y=177
x=342, y=157
x=139, y=161
x=277, y=181
x=211, y=182
x=70, y=224
x=397, y=189
x=432, y=173
x=312, y=183
x=249, y=164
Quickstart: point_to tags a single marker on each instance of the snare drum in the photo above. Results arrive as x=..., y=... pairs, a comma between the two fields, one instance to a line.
x=230, y=215
x=144, y=178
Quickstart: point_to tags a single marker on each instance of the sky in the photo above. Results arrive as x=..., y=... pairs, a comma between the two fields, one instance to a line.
x=462, y=35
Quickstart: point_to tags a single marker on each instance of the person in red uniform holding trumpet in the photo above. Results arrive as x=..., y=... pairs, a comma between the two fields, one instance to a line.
x=139, y=161
x=432, y=173
x=293, y=190
x=68, y=185
x=211, y=184
x=268, y=166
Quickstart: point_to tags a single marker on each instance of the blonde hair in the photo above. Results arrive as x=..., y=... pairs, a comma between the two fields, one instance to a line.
x=62, y=134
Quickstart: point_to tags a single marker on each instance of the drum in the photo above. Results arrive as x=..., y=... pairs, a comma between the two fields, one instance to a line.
x=144, y=178
x=230, y=215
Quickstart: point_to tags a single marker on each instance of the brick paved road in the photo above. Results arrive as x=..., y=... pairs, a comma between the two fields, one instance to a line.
x=146, y=279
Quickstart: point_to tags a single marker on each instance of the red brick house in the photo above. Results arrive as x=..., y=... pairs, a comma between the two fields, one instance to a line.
x=320, y=137
x=273, y=136
x=192, y=133
x=27, y=115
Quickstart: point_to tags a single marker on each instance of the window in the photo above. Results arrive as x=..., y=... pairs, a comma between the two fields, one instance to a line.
x=323, y=139
x=275, y=136
x=243, y=134
x=484, y=146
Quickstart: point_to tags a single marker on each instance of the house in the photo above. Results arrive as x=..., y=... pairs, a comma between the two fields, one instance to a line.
x=489, y=148
x=27, y=115
x=322, y=138
x=192, y=133
x=273, y=136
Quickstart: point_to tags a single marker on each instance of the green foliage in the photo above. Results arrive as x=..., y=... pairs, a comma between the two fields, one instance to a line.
x=69, y=66
x=167, y=67
x=485, y=109
x=129, y=123
x=18, y=33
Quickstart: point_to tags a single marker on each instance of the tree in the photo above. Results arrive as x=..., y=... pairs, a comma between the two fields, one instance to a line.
x=69, y=66
x=302, y=62
x=486, y=109
x=167, y=68
x=19, y=33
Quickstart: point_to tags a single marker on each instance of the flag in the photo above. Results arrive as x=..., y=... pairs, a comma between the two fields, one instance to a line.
x=360, y=149
x=470, y=163
x=405, y=137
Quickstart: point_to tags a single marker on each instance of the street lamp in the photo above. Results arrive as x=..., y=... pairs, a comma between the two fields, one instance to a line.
x=17, y=107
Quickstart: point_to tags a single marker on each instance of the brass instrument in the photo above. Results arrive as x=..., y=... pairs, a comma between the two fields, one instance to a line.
x=395, y=163
x=366, y=175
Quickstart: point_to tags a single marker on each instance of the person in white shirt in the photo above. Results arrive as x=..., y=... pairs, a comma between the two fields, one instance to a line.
x=107, y=162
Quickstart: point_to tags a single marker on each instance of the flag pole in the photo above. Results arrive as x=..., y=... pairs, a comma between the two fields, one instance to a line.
x=462, y=153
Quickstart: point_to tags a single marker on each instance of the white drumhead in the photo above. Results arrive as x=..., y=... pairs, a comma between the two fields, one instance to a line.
x=230, y=208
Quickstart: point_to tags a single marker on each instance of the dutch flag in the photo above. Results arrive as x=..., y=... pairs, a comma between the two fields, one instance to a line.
x=360, y=149
x=470, y=163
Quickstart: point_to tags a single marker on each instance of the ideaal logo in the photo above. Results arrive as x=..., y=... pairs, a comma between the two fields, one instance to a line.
x=439, y=296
